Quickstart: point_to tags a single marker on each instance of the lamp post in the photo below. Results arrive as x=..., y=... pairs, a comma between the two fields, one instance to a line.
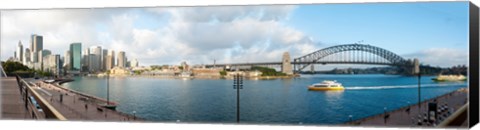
x=108, y=88
x=417, y=71
x=134, y=114
x=238, y=84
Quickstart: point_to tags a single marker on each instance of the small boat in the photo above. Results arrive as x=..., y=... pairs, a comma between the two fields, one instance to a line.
x=185, y=75
x=326, y=85
x=444, y=78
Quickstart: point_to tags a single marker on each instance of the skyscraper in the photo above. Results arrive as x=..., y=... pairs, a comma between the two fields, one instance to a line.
x=26, y=57
x=66, y=60
x=75, y=56
x=95, y=63
x=85, y=59
x=36, y=46
x=121, y=59
x=110, y=59
x=41, y=55
x=19, y=53
x=104, y=59
x=134, y=63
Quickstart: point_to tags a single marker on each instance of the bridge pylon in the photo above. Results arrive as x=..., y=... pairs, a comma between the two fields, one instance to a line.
x=286, y=64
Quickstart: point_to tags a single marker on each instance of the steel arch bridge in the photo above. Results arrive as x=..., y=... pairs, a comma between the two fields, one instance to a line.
x=350, y=54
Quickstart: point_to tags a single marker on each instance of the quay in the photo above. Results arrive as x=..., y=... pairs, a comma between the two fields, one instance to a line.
x=449, y=106
x=23, y=99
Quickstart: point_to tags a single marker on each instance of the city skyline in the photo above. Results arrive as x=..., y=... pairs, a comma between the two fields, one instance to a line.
x=230, y=34
x=93, y=59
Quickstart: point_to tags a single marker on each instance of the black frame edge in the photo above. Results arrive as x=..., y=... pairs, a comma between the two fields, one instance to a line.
x=473, y=65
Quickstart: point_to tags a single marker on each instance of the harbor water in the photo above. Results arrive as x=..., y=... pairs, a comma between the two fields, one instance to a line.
x=276, y=101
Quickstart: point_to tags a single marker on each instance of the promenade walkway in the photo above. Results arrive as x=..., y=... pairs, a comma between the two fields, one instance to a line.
x=75, y=106
x=13, y=106
x=415, y=116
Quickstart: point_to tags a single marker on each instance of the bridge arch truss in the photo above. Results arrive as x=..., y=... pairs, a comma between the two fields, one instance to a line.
x=355, y=53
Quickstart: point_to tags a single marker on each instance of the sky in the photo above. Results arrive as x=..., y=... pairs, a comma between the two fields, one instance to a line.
x=434, y=32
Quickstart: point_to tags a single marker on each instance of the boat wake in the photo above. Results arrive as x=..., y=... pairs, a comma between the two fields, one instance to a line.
x=401, y=86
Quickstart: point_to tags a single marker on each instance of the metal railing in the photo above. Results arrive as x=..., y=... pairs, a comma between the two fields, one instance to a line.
x=48, y=111
x=457, y=118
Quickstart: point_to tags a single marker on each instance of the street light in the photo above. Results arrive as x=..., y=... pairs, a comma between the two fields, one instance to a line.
x=134, y=114
x=238, y=84
x=350, y=118
x=417, y=71
x=108, y=88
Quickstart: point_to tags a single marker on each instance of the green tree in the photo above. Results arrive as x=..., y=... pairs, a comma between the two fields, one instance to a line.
x=12, y=68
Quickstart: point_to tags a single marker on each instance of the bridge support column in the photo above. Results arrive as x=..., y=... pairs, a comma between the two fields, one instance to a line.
x=286, y=64
x=415, y=67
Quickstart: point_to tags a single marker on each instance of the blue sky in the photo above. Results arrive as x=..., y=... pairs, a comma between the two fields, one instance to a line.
x=435, y=32
x=399, y=27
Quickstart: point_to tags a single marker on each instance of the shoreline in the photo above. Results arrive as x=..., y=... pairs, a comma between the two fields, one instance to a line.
x=201, y=77
x=96, y=102
x=358, y=122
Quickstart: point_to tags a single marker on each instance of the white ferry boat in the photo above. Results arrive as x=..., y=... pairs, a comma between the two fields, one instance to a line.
x=326, y=85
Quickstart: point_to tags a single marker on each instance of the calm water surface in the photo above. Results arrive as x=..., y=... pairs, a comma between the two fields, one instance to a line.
x=285, y=101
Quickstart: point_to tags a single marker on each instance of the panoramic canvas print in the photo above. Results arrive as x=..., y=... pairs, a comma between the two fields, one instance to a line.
x=363, y=64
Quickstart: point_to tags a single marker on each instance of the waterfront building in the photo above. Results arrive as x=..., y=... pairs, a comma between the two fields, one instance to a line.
x=42, y=54
x=75, y=56
x=206, y=72
x=185, y=66
x=33, y=56
x=121, y=59
x=26, y=56
x=119, y=71
x=19, y=52
x=95, y=62
x=85, y=60
x=104, y=59
x=36, y=45
x=52, y=64
x=134, y=63
x=66, y=60
x=110, y=59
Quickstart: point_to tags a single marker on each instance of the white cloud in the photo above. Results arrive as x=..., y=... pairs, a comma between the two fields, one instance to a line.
x=195, y=34
x=443, y=57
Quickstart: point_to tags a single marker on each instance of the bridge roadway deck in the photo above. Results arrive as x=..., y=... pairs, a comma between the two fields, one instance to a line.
x=13, y=106
x=73, y=108
x=402, y=118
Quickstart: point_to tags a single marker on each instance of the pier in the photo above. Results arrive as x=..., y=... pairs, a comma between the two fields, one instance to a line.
x=449, y=106
x=23, y=99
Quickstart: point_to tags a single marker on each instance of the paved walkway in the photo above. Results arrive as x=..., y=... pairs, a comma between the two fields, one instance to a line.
x=413, y=117
x=13, y=106
x=74, y=106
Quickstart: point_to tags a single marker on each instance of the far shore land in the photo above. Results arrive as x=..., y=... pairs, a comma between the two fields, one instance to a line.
x=204, y=77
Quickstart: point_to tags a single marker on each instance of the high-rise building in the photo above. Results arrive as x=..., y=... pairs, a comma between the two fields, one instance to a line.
x=66, y=60
x=52, y=64
x=121, y=59
x=95, y=62
x=75, y=56
x=41, y=55
x=110, y=59
x=36, y=45
x=26, y=57
x=134, y=63
x=104, y=59
x=85, y=59
x=19, y=53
